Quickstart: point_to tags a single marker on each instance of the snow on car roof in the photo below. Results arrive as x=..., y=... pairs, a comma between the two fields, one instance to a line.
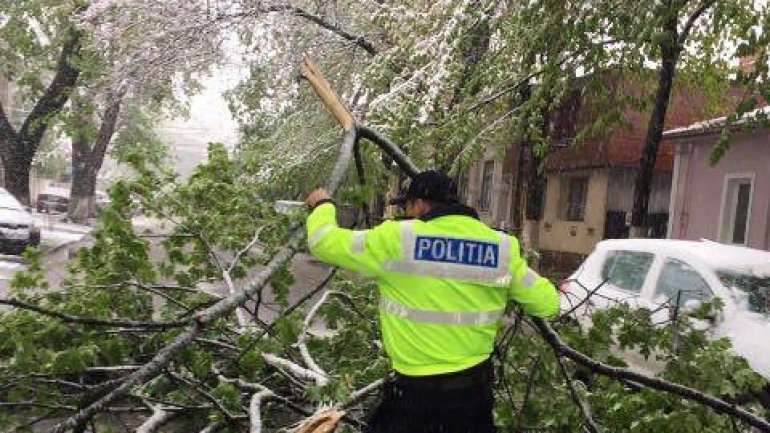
x=8, y=201
x=712, y=254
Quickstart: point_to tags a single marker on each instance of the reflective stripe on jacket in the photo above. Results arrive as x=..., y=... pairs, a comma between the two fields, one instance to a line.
x=444, y=284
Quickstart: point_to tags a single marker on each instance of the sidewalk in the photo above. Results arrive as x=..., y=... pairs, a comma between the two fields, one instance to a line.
x=56, y=234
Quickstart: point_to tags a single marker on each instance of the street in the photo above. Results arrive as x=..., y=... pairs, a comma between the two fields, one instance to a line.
x=61, y=240
x=56, y=238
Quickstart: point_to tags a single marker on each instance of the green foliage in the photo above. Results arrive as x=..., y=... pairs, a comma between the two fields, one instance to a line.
x=682, y=354
x=211, y=217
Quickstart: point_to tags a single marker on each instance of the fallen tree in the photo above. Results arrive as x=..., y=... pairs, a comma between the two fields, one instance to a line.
x=126, y=357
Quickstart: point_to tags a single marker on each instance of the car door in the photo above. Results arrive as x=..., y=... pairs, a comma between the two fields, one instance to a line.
x=625, y=273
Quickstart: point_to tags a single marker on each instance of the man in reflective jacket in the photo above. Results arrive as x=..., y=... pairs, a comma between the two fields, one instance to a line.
x=445, y=279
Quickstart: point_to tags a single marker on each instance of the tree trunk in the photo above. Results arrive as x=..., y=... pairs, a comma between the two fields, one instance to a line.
x=517, y=210
x=670, y=51
x=20, y=147
x=87, y=161
x=82, y=204
x=534, y=208
x=16, y=171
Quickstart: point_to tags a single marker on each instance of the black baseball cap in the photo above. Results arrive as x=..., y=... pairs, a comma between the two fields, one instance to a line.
x=429, y=185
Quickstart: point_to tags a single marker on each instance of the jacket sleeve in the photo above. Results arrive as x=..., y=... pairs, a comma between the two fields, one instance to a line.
x=362, y=251
x=536, y=295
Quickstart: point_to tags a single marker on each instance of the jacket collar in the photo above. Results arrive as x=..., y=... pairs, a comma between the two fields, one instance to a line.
x=450, y=209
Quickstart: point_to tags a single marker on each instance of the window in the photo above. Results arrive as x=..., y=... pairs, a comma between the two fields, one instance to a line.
x=756, y=288
x=574, y=198
x=486, y=185
x=736, y=208
x=627, y=269
x=679, y=277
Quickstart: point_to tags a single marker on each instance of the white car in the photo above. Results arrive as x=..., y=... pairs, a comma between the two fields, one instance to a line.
x=17, y=226
x=645, y=273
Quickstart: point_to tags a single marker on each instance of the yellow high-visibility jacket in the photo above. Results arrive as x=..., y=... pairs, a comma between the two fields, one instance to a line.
x=444, y=284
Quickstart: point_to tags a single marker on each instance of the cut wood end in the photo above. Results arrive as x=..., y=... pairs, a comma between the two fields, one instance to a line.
x=322, y=422
x=306, y=68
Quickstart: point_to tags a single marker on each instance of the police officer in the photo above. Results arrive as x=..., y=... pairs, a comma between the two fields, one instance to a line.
x=445, y=279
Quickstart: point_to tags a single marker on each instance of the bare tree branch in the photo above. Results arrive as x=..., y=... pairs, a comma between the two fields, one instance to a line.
x=90, y=321
x=255, y=409
x=685, y=33
x=359, y=394
x=585, y=412
x=296, y=370
x=359, y=41
x=302, y=340
x=213, y=427
x=157, y=420
x=391, y=149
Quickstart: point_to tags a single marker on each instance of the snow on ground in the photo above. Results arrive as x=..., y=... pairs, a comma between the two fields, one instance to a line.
x=48, y=222
x=55, y=238
x=8, y=266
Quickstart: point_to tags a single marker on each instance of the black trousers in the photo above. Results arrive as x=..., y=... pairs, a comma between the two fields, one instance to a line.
x=451, y=403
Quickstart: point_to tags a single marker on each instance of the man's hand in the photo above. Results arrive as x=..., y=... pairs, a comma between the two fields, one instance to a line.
x=316, y=196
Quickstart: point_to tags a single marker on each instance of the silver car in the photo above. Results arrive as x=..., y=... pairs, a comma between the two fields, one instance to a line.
x=647, y=273
x=17, y=226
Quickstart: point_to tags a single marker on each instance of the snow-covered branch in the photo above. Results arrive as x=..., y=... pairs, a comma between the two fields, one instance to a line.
x=302, y=341
x=255, y=410
x=157, y=420
x=296, y=370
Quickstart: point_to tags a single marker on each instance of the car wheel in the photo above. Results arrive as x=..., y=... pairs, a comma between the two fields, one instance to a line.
x=34, y=238
x=17, y=250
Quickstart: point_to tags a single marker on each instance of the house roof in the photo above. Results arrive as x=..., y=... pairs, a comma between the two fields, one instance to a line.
x=714, y=125
x=623, y=147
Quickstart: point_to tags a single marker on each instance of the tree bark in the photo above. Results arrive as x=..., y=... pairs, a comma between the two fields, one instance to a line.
x=20, y=147
x=517, y=210
x=535, y=191
x=18, y=162
x=82, y=204
x=670, y=51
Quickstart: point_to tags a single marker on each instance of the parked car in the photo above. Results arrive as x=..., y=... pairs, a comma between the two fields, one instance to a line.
x=17, y=226
x=646, y=273
x=53, y=200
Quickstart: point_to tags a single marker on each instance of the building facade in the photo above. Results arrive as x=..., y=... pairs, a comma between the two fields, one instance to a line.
x=728, y=202
x=589, y=189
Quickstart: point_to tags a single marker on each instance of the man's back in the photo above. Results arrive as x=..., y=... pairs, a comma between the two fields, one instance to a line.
x=445, y=279
x=444, y=283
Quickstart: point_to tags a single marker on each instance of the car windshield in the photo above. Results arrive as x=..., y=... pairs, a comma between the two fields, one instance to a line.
x=757, y=288
x=51, y=197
